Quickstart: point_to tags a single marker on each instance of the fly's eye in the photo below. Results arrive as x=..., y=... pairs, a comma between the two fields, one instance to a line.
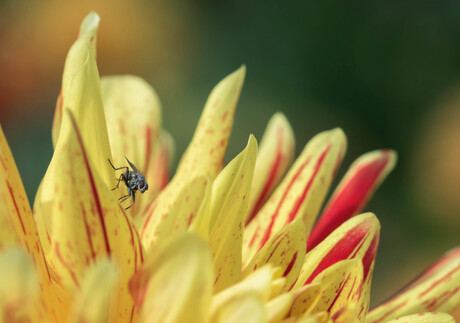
x=141, y=185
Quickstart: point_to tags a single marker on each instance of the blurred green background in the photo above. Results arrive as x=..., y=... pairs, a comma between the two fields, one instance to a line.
x=387, y=72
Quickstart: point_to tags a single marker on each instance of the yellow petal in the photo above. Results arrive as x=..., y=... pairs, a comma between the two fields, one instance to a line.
x=301, y=192
x=179, y=284
x=273, y=160
x=93, y=302
x=278, y=307
x=75, y=59
x=353, y=192
x=18, y=287
x=177, y=216
x=205, y=154
x=285, y=250
x=81, y=93
x=257, y=283
x=201, y=223
x=18, y=228
x=87, y=223
x=133, y=114
x=437, y=289
x=424, y=318
x=206, y=151
x=158, y=172
x=230, y=195
x=246, y=308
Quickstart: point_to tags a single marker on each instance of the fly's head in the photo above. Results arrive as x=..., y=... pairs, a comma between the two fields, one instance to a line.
x=142, y=185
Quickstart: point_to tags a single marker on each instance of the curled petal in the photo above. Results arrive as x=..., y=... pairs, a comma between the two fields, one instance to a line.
x=285, y=250
x=230, y=195
x=301, y=192
x=424, y=318
x=81, y=94
x=274, y=158
x=177, y=283
x=437, y=289
x=353, y=192
x=93, y=303
x=205, y=154
x=87, y=223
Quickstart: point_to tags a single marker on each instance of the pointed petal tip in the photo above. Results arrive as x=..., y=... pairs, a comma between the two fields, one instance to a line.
x=90, y=23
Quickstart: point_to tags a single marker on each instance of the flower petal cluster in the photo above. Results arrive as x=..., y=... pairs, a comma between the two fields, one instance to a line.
x=211, y=244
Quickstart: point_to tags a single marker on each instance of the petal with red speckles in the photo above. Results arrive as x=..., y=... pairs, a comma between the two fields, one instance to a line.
x=341, y=288
x=177, y=216
x=301, y=192
x=229, y=202
x=435, y=290
x=133, y=114
x=275, y=156
x=205, y=153
x=285, y=250
x=19, y=229
x=87, y=222
x=356, y=188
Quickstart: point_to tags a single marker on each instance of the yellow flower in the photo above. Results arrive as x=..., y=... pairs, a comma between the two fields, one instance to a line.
x=212, y=245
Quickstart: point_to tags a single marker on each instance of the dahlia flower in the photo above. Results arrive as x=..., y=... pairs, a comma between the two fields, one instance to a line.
x=213, y=244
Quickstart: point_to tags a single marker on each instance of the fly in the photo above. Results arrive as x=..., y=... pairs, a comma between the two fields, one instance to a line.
x=134, y=180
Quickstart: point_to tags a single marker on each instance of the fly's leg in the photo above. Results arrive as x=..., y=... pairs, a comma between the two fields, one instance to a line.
x=133, y=195
x=124, y=198
x=118, y=168
x=122, y=177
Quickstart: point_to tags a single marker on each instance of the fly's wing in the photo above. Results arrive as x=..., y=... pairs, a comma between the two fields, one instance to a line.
x=132, y=166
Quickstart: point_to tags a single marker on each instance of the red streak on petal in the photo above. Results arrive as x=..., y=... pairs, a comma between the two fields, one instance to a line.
x=148, y=220
x=442, y=279
x=67, y=266
x=128, y=223
x=271, y=177
x=3, y=164
x=394, y=309
x=369, y=256
x=342, y=249
x=290, y=265
x=350, y=200
x=88, y=231
x=280, y=203
x=274, y=249
x=301, y=199
x=16, y=207
x=339, y=291
x=93, y=184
